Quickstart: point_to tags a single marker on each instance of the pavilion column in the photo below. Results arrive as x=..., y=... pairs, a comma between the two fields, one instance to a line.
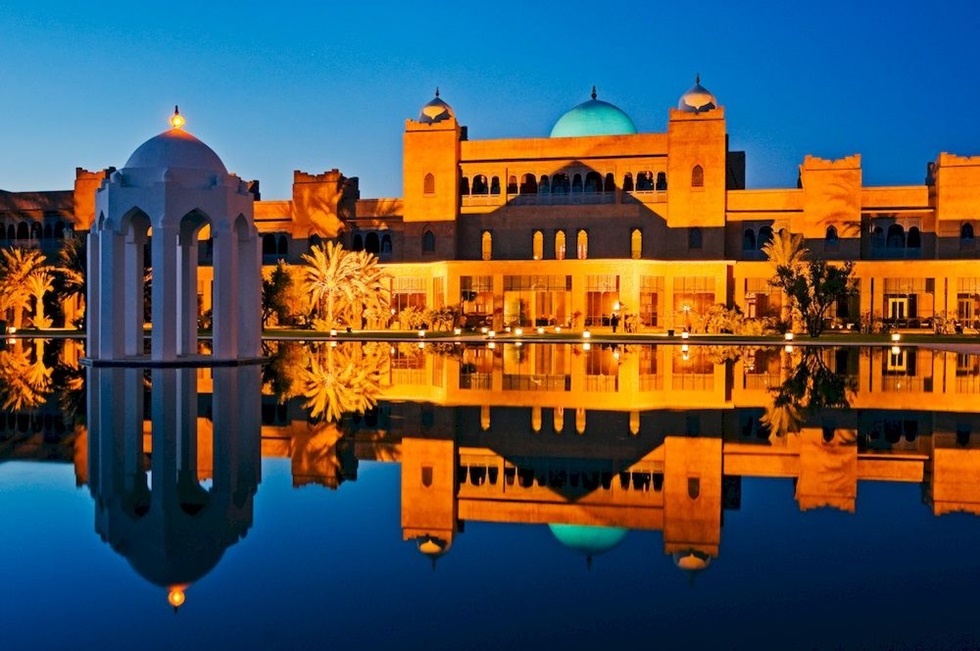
x=164, y=303
x=225, y=294
x=112, y=304
x=187, y=295
x=133, y=282
x=250, y=299
x=92, y=305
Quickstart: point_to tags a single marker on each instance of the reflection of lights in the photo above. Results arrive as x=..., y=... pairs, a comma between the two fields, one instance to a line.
x=586, y=346
x=685, y=356
x=896, y=336
x=518, y=332
x=176, y=597
x=616, y=354
x=540, y=330
x=788, y=336
x=788, y=348
x=12, y=330
x=422, y=344
x=392, y=350
x=392, y=311
x=492, y=345
x=685, y=334
x=333, y=344
x=518, y=343
x=586, y=334
x=684, y=348
x=896, y=350
x=685, y=308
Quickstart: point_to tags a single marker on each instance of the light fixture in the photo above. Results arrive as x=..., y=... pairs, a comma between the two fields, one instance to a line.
x=896, y=336
x=518, y=332
x=685, y=334
x=586, y=335
x=540, y=330
x=788, y=336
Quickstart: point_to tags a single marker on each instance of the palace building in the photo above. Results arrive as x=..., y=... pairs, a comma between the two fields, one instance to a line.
x=601, y=217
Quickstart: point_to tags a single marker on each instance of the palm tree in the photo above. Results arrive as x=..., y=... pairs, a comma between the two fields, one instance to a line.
x=40, y=283
x=71, y=272
x=785, y=249
x=16, y=267
x=343, y=285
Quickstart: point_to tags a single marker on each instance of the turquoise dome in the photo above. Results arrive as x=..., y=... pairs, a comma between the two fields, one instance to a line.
x=593, y=118
x=588, y=540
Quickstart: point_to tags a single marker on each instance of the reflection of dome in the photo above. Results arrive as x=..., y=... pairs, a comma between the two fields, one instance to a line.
x=692, y=560
x=182, y=559
x=433, y=547
x=588, y=540
x=436, y=111
x=176, y=148
x=697, y=99
x=593, y=118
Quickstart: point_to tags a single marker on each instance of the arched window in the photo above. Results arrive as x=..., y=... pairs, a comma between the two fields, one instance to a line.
x=47, y=232
x=268, y=244
x=3, y=232
x=35, y=231
x=628, y=182
x=372, y=244
x=560, y=184
x=765, y=236
x=896, y=237
x=914, y=240
x=512, y=184
x=357, y=243
x=544, y=185
x=582, y=245
x=59, y=230
x=537, y=245
x=577, y=183
x=966, y=234
x=610, y=185
x=559, y=245
x=694, y=238
x=429, y=184
x=464, y=186
x=661, y=181
x=877, y=236
x=282, y=247
x=528, y=184
x=428, y=242
x=593, y=182
x=23, y=232
x=644, y=181
x=831, y=235
x=480, y=184
x=636, y=244
x=314, y=240
x=385, y=244
x=486, y=245
x=748, y=240
x=11, y=232
x=495, y=185
x=697, y=177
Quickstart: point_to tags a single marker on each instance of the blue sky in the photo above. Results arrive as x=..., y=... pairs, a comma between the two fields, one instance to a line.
x=314, y=86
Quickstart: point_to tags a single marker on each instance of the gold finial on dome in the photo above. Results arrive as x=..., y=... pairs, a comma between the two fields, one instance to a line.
x=177, y=120
x=437, y=91
x=697, y=78
x=593, y=91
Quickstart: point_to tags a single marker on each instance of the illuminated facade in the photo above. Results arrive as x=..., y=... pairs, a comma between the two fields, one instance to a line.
x=559, y=230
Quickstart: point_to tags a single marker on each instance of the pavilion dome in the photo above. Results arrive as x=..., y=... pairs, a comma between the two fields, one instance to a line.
x=593, y=118
x=588, y=540
x=176, y=149
x=436, y=111
x=697, y=99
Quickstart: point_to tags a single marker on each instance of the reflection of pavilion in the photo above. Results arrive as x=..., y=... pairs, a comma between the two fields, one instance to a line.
x=172, y=529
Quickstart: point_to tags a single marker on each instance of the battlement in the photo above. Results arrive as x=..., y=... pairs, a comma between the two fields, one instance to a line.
x=847, y=163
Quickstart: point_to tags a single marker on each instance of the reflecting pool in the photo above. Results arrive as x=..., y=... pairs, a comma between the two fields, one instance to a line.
x=438, y=496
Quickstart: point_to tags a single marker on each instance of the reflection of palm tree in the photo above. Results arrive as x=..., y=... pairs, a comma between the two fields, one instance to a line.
x=809, y=388
x=24, y=383
x=344, y=379
x=344, y=284
x=282, y=375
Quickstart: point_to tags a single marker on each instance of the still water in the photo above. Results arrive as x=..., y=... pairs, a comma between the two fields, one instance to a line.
x=454, y=497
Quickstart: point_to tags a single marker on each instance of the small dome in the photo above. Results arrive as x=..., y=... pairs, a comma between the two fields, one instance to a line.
x=433, y=547
x=692, y=560
x=697, y=99
x=588, y=540
x=593, y=118
x=436, y=111
x=177, y=149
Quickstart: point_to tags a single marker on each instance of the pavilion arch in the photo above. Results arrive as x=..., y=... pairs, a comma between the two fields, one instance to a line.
x=537, y=245
x=593, y=182
x=486, y=245
x=661, y=181
x=577, y=183
x=11, y=232
x=464, y=185
x=694, y=238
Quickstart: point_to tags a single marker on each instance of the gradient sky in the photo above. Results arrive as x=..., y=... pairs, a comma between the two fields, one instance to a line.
x=314, y=86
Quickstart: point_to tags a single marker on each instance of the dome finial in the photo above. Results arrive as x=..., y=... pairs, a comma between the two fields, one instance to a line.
x=593, y=91
x=177, y=121
x=697, y=78
x=437, y=91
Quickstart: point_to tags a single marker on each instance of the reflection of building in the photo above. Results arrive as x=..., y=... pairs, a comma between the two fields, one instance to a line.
x=559, y=230
x=161, y=515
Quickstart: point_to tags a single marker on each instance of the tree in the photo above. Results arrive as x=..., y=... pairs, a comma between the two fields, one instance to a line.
x=345, y=285
x=275, y=294
x=69, y=281
x=39, y=284
x=16, y=268
x=813, y=287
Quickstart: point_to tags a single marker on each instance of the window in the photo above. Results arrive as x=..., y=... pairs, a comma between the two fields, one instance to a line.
x=429, y=184
x=896, y=237
x=428, y=242
x=636, y=244
x=480, y=184
x=464, y=186
x=512, y=184
x=529, y=184
x=628, y=182
x=486, y=245
x=577, y=183
x=537, y=245
x=582, y=245
x=372, y=244
x=495, y=185
x=644, y=181
x=697, y=177
x=765, y=236
x=966, y=234
x=559, y=245
x=748, y=240
x=831, y=240
x=610, y=185
x=593, y=182
x=694, y=238
x=661, y=181
x=914, y=240
x=544, y=185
